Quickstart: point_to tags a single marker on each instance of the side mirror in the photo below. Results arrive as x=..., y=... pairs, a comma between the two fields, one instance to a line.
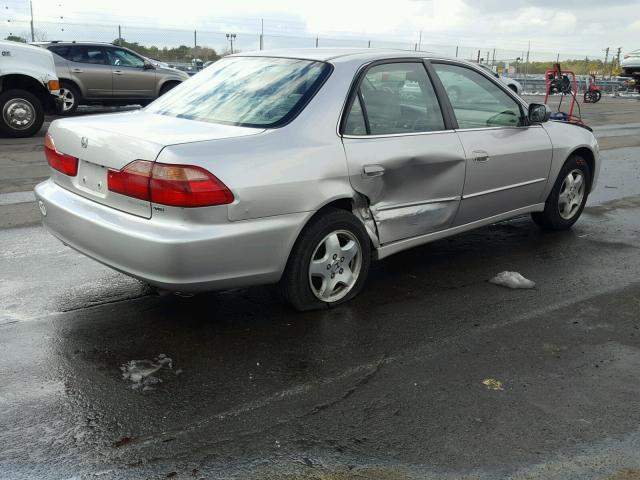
x=148, y=66
x=539, y=113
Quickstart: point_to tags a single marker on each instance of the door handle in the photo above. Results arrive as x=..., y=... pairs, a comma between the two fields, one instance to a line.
x=118, y=72
x=76, y=70
x=480, y=156
x=372, y=170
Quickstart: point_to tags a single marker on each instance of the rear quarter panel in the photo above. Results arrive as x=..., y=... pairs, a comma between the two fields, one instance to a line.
x=296, y=168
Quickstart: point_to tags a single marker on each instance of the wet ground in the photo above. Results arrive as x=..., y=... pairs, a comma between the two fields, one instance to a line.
x=432, y=373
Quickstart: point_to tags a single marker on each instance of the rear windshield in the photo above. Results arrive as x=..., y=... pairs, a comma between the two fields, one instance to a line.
x=245, y=91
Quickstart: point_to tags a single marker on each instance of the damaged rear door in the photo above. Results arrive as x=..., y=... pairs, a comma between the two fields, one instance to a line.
x=400, y=154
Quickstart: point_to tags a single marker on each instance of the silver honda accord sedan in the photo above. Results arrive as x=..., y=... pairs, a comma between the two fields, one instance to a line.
x=300, y=167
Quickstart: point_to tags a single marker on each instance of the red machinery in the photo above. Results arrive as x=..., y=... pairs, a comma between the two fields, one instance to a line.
x=565, y=83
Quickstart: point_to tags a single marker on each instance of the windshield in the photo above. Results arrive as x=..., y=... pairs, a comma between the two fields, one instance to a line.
x=245, y=91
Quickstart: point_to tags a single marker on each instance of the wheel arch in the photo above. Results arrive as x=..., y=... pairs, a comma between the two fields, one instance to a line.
x=589, y=157
x=169, y=81
x=356, y=204
x=74, y=84
x=25, y=82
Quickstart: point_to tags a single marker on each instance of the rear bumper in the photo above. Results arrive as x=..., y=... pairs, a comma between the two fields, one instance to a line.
x=177, y=257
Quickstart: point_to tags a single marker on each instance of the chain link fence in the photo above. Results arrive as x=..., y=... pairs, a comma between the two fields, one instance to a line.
x=182, y=46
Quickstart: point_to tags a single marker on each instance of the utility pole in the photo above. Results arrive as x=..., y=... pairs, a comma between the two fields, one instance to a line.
x=33, y=36
x=558, y=58
x=478, y=60
x=606, y=58
x=487, y=57
x=419, y=41
x=231, y=37
x=369, y=46
x=195, y=39
x=457, y=51
x=119, y=35
x=493, y=59
x=261, y=33
x=316, y=42
x=526, y=68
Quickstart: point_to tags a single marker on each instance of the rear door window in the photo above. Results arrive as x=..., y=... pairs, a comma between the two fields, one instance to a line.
x=397, y=98
x=87, y=54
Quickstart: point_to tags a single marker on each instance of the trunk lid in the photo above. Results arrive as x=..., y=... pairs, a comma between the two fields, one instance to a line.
x=113, y=141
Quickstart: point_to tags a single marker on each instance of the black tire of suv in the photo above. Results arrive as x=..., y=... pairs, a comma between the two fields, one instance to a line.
x=550, y=218
x=77, y=97
x=294, y=285
x=6, y=97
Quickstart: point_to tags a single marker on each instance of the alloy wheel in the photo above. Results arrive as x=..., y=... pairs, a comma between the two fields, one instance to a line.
x=335, y=266
x=571, y=194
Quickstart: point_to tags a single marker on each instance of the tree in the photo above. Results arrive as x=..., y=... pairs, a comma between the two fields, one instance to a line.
x=181, y=54
x=16, y=38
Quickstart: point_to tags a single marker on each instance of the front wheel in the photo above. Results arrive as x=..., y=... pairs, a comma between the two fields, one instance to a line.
x=329, y=262
x=21, y=113
x=568, y=196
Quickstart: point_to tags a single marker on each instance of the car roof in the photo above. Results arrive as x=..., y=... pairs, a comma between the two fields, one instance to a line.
x=73, y=42
x=335, y=55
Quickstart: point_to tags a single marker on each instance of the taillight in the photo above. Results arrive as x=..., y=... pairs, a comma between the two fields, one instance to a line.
x=173, y=185
x=60, y=161
x=132, y=180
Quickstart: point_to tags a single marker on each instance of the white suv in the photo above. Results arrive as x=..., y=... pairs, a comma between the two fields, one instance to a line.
x=29, y=87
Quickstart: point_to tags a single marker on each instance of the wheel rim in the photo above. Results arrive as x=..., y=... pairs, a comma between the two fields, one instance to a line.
x=68, y=100
x=19, y=113
x=571, y=194
x=335, y=266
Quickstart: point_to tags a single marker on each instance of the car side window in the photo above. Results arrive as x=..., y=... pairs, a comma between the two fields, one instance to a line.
x=355, y=124
x=398, y=98
x=476, y=100
x=62, y=50
x=123, y=58
x=86, y=54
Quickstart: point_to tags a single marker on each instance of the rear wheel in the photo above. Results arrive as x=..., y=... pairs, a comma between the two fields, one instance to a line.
x=329, y=262
x=21, y=113
x=568, y=196
x=70, y=99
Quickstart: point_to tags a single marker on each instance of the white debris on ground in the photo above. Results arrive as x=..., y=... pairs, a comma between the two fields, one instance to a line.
x=141, y=372
x=512, y=280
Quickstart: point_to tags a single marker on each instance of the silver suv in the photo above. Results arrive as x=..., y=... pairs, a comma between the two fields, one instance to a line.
x=105, y=74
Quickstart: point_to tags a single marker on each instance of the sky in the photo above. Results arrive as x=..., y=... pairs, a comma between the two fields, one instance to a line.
x=572, y=28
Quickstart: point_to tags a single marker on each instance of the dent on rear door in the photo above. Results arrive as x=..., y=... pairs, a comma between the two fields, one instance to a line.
x=420, y=189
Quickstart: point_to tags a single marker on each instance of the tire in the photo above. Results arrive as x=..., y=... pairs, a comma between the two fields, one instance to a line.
x=345, y=272
x=564, y=204
x=72, y=98
x=21, y=113
x=167, y=86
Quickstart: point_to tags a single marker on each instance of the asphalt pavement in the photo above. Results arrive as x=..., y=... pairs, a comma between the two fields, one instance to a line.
x=431, y=373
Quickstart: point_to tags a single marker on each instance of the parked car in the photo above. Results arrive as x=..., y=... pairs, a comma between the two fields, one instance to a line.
x=510, y=82
x=299, y=167
x=28, y=88
x=106, y=74
x=631, y=62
